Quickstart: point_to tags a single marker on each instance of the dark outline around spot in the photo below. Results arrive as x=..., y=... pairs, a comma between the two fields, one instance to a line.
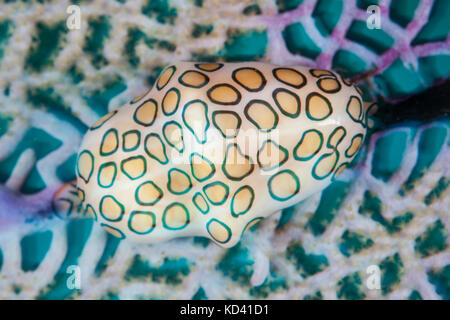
x=361, y=113
x=359, y=90
x=250, y=103
x=248, y=223
x=133, y=213
x=197, y=206
x=243, y=155
x=163, y=147
x=115, y=229
x=351, y=143
x=198, y=66
x=154, y=116
x=294, y=152
x=319, y=84
x=238, y=94
x=117, y=202
x=263, y=79
x=224, y=225
x=116, y=135
x=211, y=165
x=313, y=171
x=138, y=140
x=78, y=194
x=113, y=113
x=169, y=180
x=78, y=166
x=368, y=116
x=274, y=72
x=132, y=158
x=283, y=149
x=233, y=213
x=168, y=80
x=206, y=118
x=347, y=82
x=332, y=134
x=290, y=115
x=100, y=171
x=136, y=100
x=82, y=198
x=292, y=174
x=188, y=217
x=206, y=79
x=311, y=71
x=225, y=197
x=330, y=107
x=226, y=112
x=174, y=89
x=167, y=140
x=93, y=210
x=346, y=164
x=142, y=203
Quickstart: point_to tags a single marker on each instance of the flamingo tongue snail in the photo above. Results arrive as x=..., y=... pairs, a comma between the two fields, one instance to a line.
x=213, y=148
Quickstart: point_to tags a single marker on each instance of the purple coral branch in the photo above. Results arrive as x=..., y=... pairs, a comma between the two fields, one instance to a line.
x=337, y=39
